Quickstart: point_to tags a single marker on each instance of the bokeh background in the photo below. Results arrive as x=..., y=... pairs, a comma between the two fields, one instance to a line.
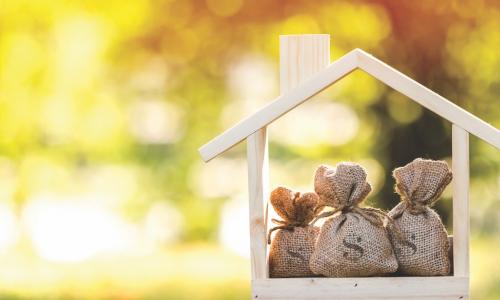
x=103, y=105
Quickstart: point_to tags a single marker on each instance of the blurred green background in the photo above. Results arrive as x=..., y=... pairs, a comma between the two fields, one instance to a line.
x=103, y=105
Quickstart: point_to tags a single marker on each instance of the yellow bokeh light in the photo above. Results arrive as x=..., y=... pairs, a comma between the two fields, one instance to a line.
x=224, y=8
x=73, y=231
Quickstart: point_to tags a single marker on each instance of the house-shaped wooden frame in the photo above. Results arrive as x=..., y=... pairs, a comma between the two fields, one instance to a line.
x=305, y=70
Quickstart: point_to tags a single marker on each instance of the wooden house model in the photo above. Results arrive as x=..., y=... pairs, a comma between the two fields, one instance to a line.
x=305, y=70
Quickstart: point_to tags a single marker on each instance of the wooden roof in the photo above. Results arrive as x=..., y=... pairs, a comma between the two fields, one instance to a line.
x=356, y=59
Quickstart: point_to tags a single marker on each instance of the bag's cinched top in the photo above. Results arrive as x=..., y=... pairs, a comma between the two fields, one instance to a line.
x=294, y=241
x=421, y=182
x=294, y=208
x=342, y=186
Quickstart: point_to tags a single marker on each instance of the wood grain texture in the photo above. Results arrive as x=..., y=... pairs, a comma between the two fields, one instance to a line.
x=343, y=66
x=258, y=178
x=461, y=218
x=448, y=287
x=302, y=56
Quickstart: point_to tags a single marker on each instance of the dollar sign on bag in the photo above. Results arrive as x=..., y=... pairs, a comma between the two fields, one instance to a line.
x=296, y=254
x=409, y=244
x=357, y=248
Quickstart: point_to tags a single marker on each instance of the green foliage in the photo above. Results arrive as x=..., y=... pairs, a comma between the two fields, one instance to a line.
x=108, y=101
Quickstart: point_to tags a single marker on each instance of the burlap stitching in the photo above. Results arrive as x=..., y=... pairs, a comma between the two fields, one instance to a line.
x=354, y=242
x=426, y=246
x=294, y=241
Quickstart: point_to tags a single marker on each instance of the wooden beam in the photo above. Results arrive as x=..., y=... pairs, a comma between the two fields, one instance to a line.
x=373, y=288
x=461, y=218
x=357, y=58
x=301, y=57
x=258, y=178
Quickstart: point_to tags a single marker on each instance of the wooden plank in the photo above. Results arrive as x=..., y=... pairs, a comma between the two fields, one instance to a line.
x=279, y=106
x=428, y=99
x=258, y=178
x=461, y=218
x=448, y=287
x=301, y=57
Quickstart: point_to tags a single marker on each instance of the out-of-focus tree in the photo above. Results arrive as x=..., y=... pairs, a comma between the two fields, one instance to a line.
x=106, y=102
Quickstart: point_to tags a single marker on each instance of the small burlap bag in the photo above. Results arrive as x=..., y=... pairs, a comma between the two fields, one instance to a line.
x=294, y=241
x=354, y=242
x=423, y=251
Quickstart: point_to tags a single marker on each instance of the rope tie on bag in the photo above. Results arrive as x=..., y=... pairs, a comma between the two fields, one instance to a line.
x=283, y=225
x=298, y=217
x=414, y=201
x=373, y=215
x=415, y=208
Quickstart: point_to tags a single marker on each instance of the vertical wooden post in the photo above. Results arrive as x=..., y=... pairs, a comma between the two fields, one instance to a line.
x=300, y=57
x=258, y=180
x=460, y=166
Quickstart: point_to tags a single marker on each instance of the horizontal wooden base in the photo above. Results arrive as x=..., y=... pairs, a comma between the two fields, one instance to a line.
x=373, y=288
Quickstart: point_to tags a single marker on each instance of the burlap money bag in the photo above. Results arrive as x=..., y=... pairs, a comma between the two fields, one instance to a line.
x=424, y=249
x=294, y=240
x=354, y=242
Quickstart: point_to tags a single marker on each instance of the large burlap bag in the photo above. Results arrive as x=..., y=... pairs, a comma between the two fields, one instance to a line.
x=354, y=242
x=423, y=251
x=294, y=241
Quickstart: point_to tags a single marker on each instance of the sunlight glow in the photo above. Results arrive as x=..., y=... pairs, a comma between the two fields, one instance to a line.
x=163, y=223
x=211, y=180
x=72, y=230
x=234, y=228
x=376, y=174
x=9, y=230
x=156, y=122
x=317, y=123
x=252, y=82
x=80, y=41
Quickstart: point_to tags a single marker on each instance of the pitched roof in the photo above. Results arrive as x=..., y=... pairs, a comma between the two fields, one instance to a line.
x=356, y=59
